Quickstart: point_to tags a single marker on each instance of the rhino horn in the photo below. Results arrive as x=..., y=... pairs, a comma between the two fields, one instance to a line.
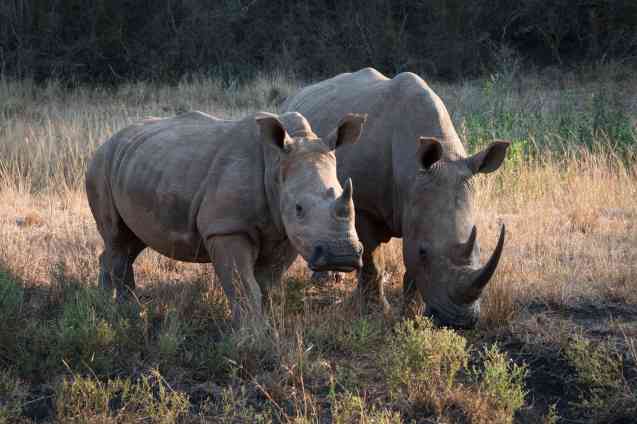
x=466, y=249
x=480, y=278
x=344, y=205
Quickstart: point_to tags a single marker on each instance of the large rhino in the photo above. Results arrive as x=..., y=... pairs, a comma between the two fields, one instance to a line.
x=411, y=176
x=246, y=195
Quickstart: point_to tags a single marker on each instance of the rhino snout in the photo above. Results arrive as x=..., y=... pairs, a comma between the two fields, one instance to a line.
x=337, y=255
x=453, y=317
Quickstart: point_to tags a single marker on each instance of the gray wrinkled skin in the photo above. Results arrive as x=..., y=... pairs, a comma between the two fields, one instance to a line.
x=411, y=178
x=245, y=195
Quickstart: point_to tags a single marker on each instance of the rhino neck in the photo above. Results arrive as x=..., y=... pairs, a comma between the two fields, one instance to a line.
x=271, y=182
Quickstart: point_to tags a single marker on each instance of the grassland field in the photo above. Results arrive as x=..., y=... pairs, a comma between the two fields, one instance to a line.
x=557, y=341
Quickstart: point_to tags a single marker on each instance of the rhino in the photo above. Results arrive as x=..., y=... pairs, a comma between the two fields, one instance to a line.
x=412, y=180
x=248, y=195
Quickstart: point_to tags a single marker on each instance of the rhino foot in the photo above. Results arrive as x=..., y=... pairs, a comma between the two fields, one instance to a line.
x=368, y=303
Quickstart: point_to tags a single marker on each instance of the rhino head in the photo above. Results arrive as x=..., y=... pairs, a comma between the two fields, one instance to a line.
x=440, y=247
x=315, y=210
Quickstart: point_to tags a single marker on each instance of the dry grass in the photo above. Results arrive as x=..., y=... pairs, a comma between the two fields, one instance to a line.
x=569, y=267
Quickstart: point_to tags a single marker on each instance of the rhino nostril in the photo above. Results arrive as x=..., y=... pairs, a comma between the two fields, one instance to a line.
x=317, y=254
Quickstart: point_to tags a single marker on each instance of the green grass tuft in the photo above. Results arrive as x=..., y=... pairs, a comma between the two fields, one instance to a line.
x=419, y=357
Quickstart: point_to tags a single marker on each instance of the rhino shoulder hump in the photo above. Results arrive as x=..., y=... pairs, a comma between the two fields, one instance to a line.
x=410, y=81
x=369, y=73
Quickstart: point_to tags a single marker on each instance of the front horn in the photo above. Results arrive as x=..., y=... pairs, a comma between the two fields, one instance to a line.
x=480, y=278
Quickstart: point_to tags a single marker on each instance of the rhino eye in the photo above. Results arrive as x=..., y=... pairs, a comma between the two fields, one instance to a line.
x=299, y=211
x=422, y=252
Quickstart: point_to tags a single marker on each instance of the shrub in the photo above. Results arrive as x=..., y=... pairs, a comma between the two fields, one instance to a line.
x=501, y=380
x=12, y=395
x=350, y=408
x=419, y=358
x=11, y=299
x=150, y=399
x=604, y=393
x=171, y=337
x=85, y=336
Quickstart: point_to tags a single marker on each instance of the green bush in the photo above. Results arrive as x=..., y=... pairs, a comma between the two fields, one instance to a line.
x=351, y=408
x=604, y=393
x=12, y=395
x=171, y=337
x=11, y=299
x=150, y=399
x=419, y=357
x=501, y=380
x=86, y=337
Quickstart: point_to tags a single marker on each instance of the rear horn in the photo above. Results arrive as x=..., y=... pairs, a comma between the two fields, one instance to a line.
x=344, y=204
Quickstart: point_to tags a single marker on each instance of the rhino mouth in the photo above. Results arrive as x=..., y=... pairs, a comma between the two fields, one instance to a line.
x=446, y=317
x=337, y=255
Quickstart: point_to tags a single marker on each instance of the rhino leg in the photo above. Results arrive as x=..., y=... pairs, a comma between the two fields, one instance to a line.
x=234, y=257
x=370, y=281
x=116, y=266
x=121, y=245
x=410, y=297
x=269, y=269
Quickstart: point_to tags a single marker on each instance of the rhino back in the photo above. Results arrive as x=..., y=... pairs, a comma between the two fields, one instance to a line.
x=163, y=170
x=383, y=162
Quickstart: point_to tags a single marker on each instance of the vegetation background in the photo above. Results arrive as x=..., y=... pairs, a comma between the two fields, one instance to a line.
x=116, y=40
x=557, y=341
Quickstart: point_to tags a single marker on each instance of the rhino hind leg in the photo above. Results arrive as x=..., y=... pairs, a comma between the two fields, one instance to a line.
x=121, y=247
x=116, y=266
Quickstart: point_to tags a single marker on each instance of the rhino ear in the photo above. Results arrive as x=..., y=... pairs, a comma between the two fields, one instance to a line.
x=429, y=151
x=348, y=131
x=489, y=159
x=271, y=131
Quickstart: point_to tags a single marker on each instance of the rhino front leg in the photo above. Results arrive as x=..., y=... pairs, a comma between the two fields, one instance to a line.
x=370, y=281
x=410, y=297
x=234, y=257
x=270, y=267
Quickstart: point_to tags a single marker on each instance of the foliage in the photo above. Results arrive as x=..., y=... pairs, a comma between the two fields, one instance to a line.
x=501, y=380
x=149, y=399
x=350, y=408
x=119, y=40
x=420, y=358
x=12, y=395
x=604, y=392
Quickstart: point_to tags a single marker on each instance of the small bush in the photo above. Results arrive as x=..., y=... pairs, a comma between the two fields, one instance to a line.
x=419, y=358
x=604, y=393
x=12, y=395
x=346, y=335
x=501, y=380
x=11, y=299
x=85, y=336
x=150, y=399
x=350, y=408
x=11, y=302
x=233, y=406
x=171, y=337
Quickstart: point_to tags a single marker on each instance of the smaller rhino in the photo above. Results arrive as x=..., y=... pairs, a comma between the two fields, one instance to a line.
x=246, y=195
